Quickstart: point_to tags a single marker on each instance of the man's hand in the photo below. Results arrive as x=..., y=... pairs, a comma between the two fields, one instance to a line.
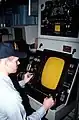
x=27, y=77
x=48, y=103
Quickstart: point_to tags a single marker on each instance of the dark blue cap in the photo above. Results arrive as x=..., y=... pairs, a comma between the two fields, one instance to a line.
x=7, y=50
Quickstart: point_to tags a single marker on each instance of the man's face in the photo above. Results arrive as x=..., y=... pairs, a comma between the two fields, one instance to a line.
x=13, y=63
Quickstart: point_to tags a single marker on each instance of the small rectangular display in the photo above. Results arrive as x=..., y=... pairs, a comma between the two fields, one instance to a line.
x=57, y=27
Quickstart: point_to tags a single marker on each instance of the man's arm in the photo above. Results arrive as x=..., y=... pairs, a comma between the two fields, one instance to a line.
x=38, y=114
x=47, y=104
x=27, y=77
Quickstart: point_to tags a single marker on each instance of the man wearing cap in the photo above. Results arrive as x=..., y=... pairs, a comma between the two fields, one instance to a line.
x=11, y=107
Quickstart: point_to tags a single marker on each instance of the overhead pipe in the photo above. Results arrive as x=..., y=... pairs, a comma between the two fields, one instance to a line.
x=29, y=8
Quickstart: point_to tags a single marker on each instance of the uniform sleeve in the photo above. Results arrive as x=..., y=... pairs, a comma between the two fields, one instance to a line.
x=22, y=83
x=37, y=115
x=11, y=112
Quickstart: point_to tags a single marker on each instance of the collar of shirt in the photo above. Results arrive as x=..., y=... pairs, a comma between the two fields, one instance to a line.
x=7, y=82
x=6, y=79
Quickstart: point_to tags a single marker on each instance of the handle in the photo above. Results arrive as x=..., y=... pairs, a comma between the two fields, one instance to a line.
x=29, y=8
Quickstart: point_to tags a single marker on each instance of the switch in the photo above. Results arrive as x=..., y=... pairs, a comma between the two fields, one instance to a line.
x=67, y=48
x=40, y=45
